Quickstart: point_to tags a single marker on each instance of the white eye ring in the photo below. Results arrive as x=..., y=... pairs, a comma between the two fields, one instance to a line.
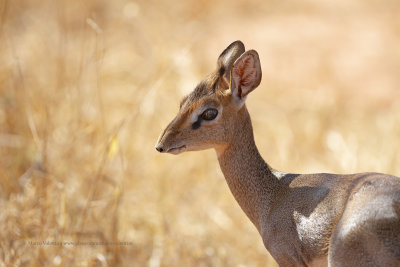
x=200, y=113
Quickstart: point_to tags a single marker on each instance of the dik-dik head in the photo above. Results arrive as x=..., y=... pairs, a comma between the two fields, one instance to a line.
x=209, y=116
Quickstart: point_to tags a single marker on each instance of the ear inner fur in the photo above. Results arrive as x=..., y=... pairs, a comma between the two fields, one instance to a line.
x=246, y=74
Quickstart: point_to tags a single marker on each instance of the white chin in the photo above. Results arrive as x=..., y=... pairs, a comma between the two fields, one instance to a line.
x=177, y=150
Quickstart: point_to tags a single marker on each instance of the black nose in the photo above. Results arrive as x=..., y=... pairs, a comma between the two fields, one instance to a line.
x=159, y=149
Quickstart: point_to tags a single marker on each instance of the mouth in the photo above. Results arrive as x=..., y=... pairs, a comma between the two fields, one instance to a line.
x=176, y=150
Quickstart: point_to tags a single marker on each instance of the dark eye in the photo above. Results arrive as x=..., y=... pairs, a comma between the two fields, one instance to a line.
x=209, y=114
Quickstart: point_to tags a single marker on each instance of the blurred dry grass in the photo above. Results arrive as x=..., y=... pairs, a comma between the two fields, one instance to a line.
x=87, y=86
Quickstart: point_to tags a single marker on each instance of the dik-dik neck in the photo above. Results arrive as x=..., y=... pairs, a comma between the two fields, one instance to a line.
x=248, y=176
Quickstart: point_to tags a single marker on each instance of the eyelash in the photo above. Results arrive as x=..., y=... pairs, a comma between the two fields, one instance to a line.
x=209, y=114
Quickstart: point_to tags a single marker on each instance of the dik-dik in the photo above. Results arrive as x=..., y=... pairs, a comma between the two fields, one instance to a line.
x=304, y=219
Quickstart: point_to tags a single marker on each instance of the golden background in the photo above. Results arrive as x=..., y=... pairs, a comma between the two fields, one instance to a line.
x=87, y=86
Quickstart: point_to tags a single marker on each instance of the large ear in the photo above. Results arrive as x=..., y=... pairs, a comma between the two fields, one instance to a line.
x=228, y=57
x=246, y=75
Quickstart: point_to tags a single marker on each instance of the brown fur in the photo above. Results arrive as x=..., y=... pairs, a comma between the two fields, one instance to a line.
x=303, y=219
